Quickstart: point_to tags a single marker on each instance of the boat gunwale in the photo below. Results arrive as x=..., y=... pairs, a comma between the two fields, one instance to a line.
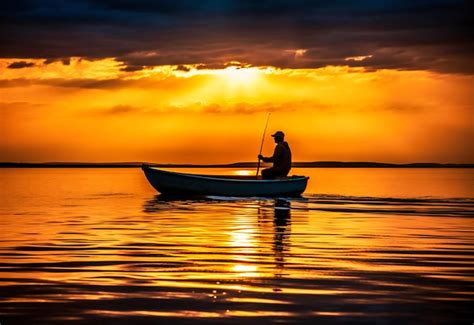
x=223, y=179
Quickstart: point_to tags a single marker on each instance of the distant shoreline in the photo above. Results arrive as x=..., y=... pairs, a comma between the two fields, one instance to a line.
x=314, y=164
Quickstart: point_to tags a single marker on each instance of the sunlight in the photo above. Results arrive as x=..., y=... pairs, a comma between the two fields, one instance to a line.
x=340, y=108
x=240, y=75
x=244, y=247
x=245, y=270
x=244, y=172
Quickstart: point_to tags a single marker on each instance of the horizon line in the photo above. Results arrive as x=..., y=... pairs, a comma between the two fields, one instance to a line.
x=297, y=164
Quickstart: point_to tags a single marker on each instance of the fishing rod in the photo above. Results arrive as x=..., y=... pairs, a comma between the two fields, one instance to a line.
x=261, y=144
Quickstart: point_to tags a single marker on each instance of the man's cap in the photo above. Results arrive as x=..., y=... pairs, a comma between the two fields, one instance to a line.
x=278, y=134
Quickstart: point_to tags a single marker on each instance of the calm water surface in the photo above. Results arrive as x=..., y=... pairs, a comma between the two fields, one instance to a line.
x=362, y=245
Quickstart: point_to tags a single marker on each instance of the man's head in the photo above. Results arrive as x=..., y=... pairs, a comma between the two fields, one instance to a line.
x=278, y=136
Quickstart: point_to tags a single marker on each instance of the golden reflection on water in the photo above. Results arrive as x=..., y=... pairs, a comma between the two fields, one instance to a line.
x=244, y=172
x=105, y=242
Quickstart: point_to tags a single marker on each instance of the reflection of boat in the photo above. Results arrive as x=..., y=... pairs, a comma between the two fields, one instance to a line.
x=167, y=182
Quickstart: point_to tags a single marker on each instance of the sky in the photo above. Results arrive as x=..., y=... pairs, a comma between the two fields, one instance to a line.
x=193, y=81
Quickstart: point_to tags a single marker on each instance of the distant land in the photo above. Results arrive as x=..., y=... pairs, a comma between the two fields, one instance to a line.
x=309, y=164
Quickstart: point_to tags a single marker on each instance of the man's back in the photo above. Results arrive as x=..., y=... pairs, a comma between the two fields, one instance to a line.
x=282, y=158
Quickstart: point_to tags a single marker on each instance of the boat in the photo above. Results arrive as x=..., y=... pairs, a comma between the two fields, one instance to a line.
x=173, y=183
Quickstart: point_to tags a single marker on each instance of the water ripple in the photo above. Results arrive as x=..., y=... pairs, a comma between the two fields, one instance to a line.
x=233, y=260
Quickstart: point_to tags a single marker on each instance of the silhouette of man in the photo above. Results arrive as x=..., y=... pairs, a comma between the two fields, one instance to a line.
x=281, y=158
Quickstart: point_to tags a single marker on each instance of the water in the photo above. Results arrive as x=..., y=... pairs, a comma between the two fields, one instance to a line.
x=362, y=245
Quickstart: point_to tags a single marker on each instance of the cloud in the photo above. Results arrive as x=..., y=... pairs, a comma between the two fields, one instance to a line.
x=69, y=83
x=18, y=105
x=241, y=108
x=412, y=35
x=247, y=108
x=20, y=65
x=119, y=110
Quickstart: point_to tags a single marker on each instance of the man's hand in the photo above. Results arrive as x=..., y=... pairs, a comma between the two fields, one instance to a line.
x=260, y=157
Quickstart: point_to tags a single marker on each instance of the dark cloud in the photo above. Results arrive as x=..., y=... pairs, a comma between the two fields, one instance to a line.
x=119, y=110
x=19, y=105
x=183, y=68
x=132, y=68
x=69, y=83
x=65, y=61
x=20, y=65
x=168, y=83
x=404, y=34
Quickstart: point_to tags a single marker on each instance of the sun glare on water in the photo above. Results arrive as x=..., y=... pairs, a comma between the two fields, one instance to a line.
x=244, y=172
x=245, y=270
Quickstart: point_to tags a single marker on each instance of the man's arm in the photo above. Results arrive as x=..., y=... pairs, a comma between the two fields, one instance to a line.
x=277, y=153
x=266, y=159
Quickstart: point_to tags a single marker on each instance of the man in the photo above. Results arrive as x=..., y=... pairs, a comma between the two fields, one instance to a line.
x=281, y=158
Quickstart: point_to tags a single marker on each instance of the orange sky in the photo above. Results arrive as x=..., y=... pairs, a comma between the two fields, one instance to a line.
x=94, y=111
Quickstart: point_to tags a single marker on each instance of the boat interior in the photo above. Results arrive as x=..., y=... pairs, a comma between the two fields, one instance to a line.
x=250, y=177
